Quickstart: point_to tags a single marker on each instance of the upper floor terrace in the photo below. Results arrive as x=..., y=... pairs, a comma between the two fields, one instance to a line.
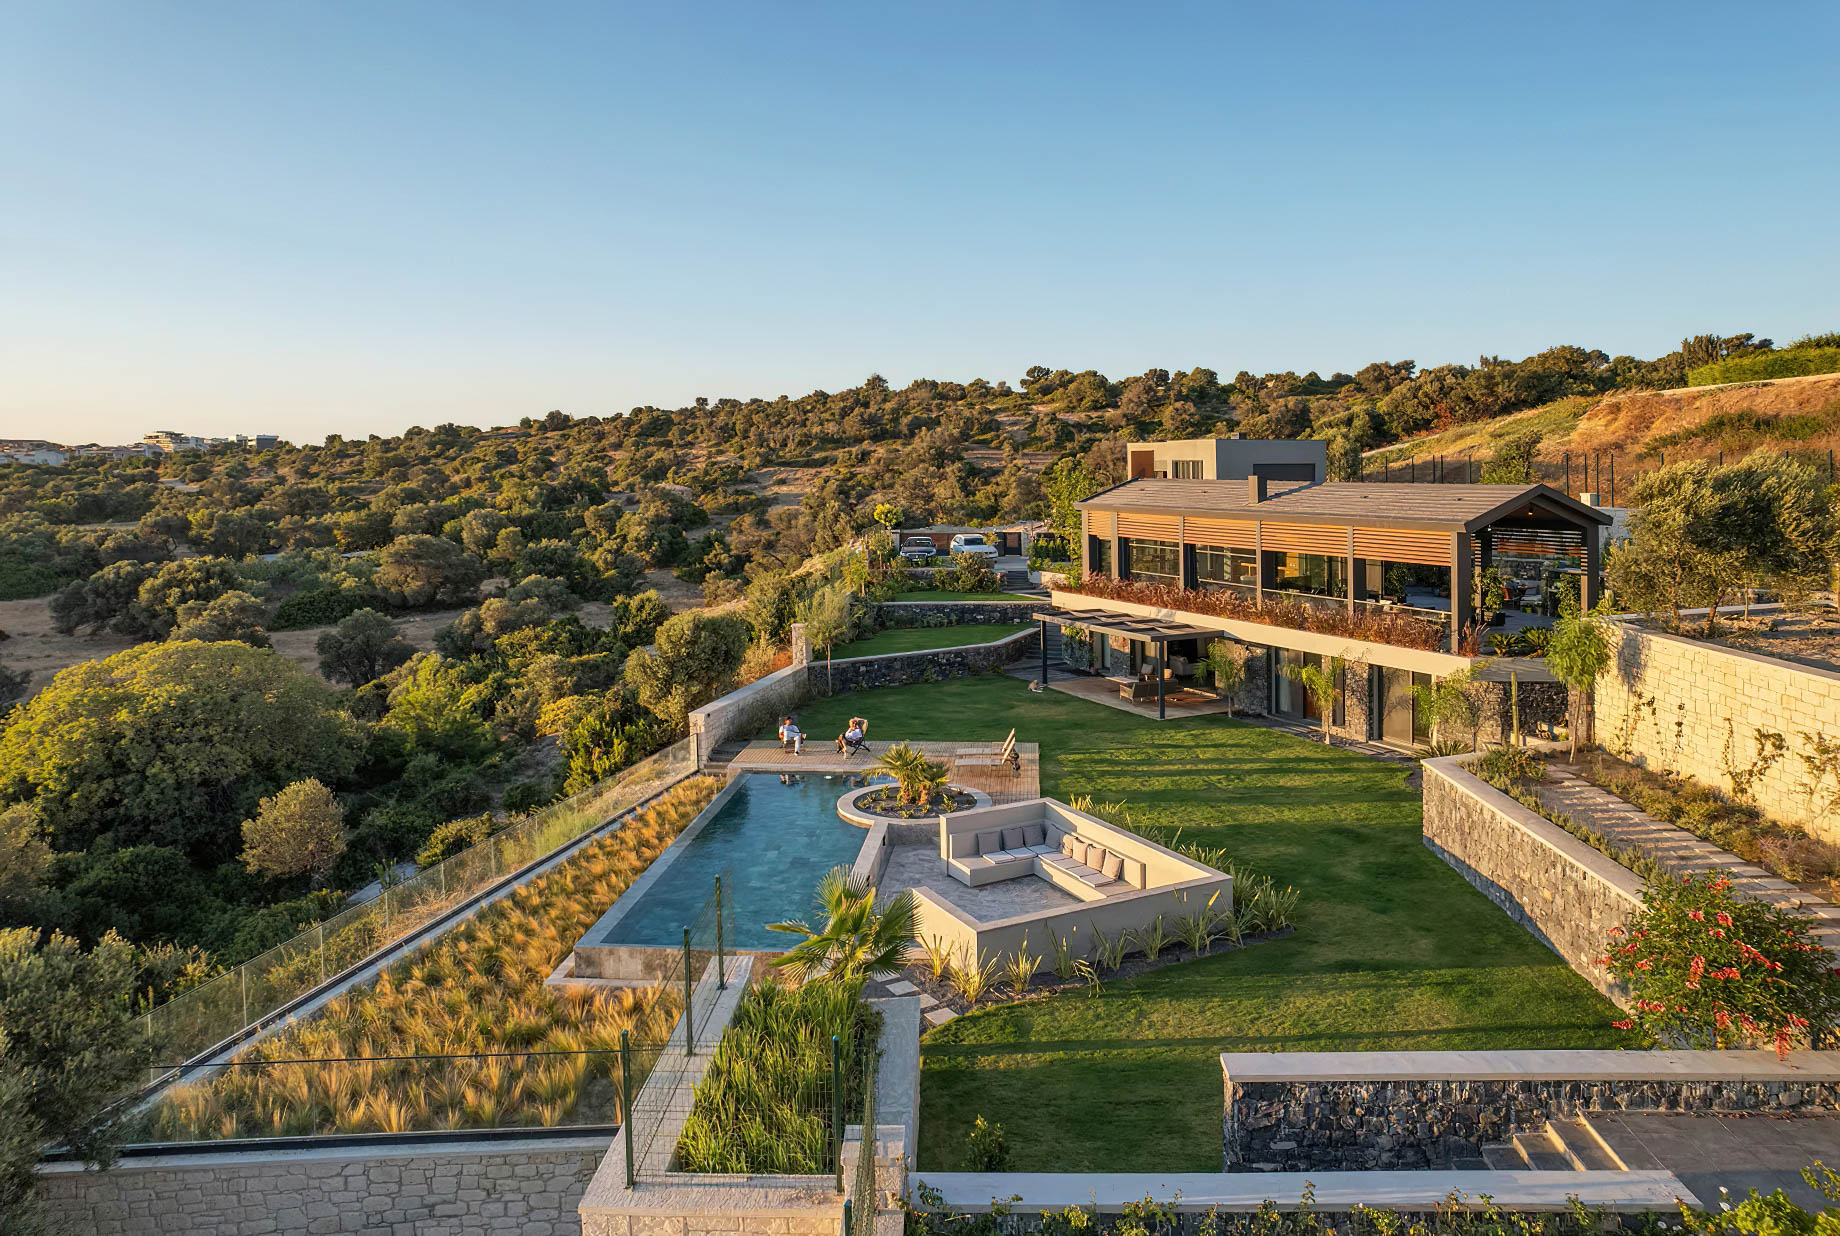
x=1415, y=566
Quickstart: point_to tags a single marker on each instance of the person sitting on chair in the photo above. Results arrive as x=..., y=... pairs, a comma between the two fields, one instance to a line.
x=852, y=738
x=790, y=735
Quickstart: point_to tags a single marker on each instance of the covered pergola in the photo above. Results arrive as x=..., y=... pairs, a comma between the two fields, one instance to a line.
x=1157, y=632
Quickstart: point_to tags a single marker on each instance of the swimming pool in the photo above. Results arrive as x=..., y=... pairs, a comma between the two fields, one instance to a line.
x=772, y=842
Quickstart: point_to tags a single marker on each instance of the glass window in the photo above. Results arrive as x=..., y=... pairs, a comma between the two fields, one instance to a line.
x=1317, y=573
x=1100, y=554
x=1215, y=566
x=1185, y=469
x=1156, y=561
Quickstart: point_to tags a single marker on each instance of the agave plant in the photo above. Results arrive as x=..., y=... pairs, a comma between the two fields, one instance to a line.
x=854, y=941
x=916, y=778
x=1020, y=970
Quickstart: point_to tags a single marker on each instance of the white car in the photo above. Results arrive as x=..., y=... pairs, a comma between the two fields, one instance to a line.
x=973, y=543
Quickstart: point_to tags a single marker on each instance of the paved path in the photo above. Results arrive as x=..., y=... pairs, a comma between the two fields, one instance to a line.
x=970, y=764
x=1676, y=850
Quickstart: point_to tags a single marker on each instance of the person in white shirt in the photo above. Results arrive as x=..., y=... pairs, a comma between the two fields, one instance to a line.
x=791, y=733
x=851, y=736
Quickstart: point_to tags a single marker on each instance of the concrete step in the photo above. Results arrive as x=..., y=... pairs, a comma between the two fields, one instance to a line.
x=1502, y=1157
x=1540, y=1152
x=1582, y=1147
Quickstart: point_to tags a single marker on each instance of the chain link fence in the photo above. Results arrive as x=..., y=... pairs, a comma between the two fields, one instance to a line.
x=225, y=1007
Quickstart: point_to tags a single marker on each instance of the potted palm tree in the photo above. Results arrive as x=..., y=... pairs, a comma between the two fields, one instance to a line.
x=854, y=941
x=917, y=778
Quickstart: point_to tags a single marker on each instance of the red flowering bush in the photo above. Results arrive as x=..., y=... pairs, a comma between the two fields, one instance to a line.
x=1708, y=969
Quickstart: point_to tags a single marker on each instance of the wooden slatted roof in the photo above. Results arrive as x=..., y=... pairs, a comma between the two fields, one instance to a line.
x=1156, y=630
x=1451, y=508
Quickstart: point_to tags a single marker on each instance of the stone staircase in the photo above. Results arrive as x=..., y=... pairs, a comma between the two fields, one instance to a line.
x=1018, y=581
x=1568, y=1145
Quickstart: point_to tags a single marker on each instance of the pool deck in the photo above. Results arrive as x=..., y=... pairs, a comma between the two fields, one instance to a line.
x=969, y=764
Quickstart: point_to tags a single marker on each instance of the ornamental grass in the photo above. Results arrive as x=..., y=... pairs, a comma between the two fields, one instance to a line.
x=765, y=1104
x=465, y=1034
x=1375, y=626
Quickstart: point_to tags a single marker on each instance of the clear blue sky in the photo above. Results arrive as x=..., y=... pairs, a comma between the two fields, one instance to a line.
x=355, y=217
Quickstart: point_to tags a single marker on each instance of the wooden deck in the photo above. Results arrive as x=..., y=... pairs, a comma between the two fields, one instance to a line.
x=967, y=763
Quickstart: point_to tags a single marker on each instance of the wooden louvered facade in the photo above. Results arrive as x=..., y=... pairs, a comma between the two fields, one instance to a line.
x=1225, y=533
x=1149, y=527
x=1401, y=545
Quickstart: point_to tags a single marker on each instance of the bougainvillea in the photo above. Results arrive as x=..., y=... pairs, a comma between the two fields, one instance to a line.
x=1706, y=968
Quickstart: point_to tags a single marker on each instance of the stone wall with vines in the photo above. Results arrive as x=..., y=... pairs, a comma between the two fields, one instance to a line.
x=1762, y=730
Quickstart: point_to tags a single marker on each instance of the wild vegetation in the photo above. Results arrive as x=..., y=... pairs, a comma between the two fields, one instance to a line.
x=478, y=992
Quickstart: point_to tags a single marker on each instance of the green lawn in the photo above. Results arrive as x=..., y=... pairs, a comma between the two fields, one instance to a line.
x=1393, y=950
x=913, y=639
x=959, y=596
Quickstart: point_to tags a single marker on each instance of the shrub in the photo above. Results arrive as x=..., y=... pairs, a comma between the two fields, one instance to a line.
x=320, y=607
x=1706, y=968
x=299, y=831
x=986, y=1149
x=1787, y=363
x=1397, y=629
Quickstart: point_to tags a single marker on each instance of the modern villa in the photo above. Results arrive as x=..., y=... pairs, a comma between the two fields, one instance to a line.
x=1246, y=540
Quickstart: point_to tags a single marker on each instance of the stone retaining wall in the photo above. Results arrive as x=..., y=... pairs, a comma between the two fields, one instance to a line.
x=1686, y=706
x=1390, y=1119
x=927, y=665
x=1557, y=887
x=747, y=710
x=519, y=1189
x=902, y=614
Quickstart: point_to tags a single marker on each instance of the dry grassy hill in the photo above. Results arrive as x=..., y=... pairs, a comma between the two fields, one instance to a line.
x=1643, y=429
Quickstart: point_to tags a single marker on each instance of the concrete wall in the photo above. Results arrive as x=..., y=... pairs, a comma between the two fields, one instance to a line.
x=1309, y=1111
x=1557, y=887
x=897, y=669
x=1682, y=705
x=747, y=710
x=526, y=1188
x=1177, y=887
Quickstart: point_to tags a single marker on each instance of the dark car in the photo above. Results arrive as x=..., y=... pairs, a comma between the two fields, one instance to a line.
x=919, y=551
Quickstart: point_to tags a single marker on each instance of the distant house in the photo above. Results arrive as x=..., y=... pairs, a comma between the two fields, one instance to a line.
x=39, y=454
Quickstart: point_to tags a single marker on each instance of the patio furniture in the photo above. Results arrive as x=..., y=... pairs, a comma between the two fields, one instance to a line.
x=1138, y=691
x=1064, y=859
x=1005, y=755
x=846, y=746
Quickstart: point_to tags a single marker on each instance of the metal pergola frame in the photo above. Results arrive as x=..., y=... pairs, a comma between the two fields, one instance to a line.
x=1156, y=632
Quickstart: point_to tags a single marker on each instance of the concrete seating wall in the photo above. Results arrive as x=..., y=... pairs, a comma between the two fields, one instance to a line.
x=1151, y=882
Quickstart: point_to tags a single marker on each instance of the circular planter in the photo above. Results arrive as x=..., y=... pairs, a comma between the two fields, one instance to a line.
x=862, y=817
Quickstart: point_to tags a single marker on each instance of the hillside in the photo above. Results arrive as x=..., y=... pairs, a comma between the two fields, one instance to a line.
x=1640, y=430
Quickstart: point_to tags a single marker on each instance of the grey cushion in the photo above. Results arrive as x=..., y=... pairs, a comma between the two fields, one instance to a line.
x=1041, y=849
x=990, y=840
x=1095, y=856
x=1013, y=839
x=1092, y=877
x=1034, y=834
x=1113, y=866
x=961, y=845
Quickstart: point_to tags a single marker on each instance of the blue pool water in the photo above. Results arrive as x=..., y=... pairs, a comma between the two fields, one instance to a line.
x=771, y=842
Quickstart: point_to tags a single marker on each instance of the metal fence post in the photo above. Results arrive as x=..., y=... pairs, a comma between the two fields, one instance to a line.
x=626, y=1120
x=322, y=952
x=837, y=1108
x=689, y=1021
x=721, y=977
x=242, y=974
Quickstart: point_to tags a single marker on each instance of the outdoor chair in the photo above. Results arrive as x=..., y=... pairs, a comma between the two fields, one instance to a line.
x=847, y=746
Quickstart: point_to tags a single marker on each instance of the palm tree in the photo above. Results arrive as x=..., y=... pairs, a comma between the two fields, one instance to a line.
x=917, y=777
x=855, y=942
x=1322, y=682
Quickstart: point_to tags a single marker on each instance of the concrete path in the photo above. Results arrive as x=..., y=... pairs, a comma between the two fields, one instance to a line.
x=1676, y=850
x=1735, y=1153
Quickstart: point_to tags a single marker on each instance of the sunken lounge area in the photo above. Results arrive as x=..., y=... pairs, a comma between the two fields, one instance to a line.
x=1038, y=873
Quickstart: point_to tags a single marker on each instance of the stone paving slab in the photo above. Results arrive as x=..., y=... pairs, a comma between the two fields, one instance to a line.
x=940, y=1016
x=1678, y=851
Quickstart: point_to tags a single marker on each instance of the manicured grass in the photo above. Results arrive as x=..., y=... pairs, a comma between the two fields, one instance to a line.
x=1393, y=950
x=913, y=639
x=957, y=596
